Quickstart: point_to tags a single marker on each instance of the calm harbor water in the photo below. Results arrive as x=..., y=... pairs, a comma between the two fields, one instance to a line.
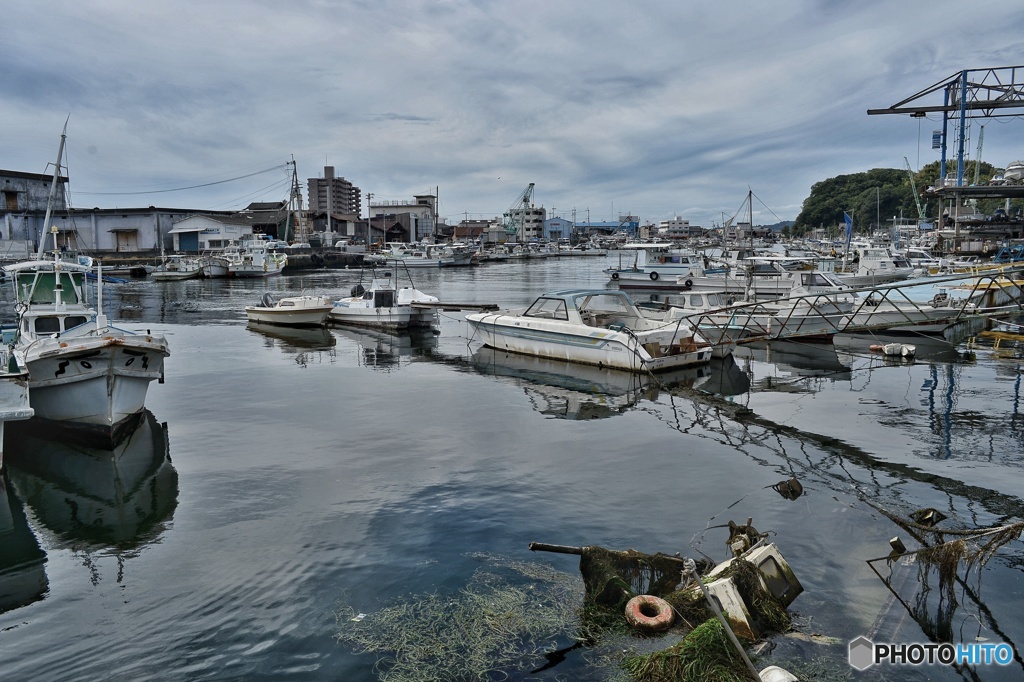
x=286, y=477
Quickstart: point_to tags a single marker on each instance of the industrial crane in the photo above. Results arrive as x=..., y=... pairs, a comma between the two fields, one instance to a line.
x=913, y=188
x=513, y=218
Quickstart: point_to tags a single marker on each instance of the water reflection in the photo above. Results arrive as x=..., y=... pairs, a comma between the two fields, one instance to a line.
x=288, y=338
x=790, y=363
x=119, y=498
x=385, y=351
x=22, y=562
x=566, y=390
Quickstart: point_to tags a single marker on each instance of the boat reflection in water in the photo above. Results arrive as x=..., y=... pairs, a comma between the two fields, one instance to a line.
x=383, y=350
x=726, y=378
x=568, y=390
x=790, y=360
x=22, y=562
x=288, y=338
x=120, y=498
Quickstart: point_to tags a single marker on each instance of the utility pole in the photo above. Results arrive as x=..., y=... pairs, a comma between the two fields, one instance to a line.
x=369, y=198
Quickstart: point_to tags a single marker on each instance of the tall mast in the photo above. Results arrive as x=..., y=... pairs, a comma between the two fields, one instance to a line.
x=53, y=193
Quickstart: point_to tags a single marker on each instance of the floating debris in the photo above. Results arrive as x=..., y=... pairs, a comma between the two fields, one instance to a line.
x=790, y=489
x=744, y=597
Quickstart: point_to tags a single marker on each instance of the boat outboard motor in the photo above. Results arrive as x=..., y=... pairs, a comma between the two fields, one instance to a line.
x=358, y=290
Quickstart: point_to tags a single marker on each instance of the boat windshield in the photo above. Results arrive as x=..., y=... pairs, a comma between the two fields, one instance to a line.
x=817, y=279
x=550, y=308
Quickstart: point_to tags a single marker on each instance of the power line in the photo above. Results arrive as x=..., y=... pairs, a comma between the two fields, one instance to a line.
x=181, y=189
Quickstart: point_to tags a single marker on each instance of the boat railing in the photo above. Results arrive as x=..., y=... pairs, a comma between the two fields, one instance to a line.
x=815, y=314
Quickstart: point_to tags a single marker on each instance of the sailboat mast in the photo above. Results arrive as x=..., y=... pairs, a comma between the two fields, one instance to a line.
x=53, y=193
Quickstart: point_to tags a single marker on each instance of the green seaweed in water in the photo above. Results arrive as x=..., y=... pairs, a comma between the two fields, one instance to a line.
x=496, y=623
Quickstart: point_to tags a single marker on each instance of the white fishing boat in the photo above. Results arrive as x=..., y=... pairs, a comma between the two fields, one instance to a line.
x=217, y=264
x=384, y=306
x=290, y=311
x=176, y=266
x=424, y=255
x=593, y=326
x=85, y=376
x=257, y=259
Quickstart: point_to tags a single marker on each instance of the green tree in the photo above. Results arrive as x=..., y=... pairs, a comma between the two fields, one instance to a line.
x=870, y=198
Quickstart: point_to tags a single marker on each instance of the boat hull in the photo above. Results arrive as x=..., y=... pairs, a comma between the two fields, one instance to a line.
x=253, y=271
x=306, y=317
x=94, y=384
x=174, y=275
x=391, y=318
x=604, y=348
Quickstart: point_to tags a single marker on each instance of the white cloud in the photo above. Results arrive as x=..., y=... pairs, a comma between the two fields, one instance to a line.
x=658, y=108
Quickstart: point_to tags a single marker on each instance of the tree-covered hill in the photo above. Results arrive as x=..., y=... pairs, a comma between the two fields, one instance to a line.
x=877, y=196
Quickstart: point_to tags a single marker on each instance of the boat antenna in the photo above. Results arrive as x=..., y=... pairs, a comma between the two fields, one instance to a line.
x=53, y=193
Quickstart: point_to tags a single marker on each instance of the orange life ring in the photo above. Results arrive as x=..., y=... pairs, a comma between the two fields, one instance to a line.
x=649, y=613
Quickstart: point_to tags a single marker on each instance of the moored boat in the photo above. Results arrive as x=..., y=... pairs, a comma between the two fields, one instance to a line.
x=257, y=259
x=290, y=311
x=176, y=267
x=85, y=376
x=596, y=327
x=383, y=306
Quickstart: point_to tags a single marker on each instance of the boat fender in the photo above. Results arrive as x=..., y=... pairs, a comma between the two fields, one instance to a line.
x=615, y=275
x=649, y=613
x=688, y=283
x=654, y=276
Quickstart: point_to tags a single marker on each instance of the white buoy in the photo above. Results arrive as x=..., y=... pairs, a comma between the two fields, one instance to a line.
x=774, y=673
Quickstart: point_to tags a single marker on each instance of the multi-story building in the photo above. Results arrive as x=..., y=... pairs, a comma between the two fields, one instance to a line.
x=677, y=228
x=421, y=215
x=334, y=195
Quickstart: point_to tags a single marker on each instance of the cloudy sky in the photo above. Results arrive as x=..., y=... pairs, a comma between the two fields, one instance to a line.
x=655, y=108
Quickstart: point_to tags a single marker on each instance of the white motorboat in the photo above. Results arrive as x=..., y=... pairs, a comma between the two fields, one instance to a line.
x=176, y=266
x=877, y=266
x=595, y=327
x=384, y=306
x=85, y=376
x=290, y=311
